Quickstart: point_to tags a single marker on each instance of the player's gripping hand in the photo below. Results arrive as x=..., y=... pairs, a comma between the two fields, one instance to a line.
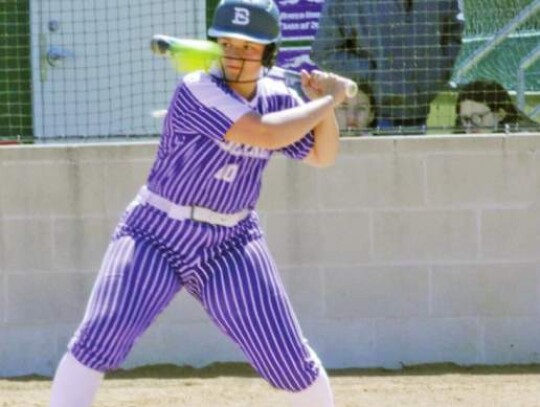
x=316, y=84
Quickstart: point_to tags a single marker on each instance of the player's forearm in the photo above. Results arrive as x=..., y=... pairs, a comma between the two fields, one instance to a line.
x=326, y=147
x=288, y=126
x=279, y=129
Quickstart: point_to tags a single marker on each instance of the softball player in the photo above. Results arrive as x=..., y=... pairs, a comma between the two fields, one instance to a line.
x=193, y=224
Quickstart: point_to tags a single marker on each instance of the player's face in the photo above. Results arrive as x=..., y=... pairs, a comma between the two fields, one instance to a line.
x=356, y=113
x=477, y=117
x=242, y=60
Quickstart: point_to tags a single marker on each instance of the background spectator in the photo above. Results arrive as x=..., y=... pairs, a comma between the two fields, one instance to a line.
x=359, y=115
x=405, y=49
x=485, y=106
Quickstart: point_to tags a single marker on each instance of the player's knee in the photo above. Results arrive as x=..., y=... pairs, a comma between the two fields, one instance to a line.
x=292, y=377
x=102, y=351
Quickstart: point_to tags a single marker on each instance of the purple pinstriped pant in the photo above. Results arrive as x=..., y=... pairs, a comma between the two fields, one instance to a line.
x=229, y=270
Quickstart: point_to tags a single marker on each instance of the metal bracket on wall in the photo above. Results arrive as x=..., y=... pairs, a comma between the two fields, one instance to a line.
x=51, y=55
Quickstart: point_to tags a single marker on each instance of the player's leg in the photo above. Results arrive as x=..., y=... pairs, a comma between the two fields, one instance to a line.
x=246, y=299
x=74, y=384
x=134, y=285
x=318, y=394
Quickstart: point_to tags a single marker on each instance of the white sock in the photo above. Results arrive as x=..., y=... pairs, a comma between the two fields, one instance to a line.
x=319, y=394
x=74, y=384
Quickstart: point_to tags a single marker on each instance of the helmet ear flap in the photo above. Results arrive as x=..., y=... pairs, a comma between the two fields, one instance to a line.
x=269, y=55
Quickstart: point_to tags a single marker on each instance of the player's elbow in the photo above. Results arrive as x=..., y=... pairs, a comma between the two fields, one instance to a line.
x=320, y=160
x=325, y=162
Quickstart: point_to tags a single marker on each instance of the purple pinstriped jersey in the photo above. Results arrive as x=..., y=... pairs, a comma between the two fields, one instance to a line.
x=194, y=163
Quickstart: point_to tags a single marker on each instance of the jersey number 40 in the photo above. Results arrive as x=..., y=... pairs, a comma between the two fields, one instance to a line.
x=227, y=173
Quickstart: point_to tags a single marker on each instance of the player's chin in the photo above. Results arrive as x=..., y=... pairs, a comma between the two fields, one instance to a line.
x=232, y=75
x=232, y=71
x=237, y=76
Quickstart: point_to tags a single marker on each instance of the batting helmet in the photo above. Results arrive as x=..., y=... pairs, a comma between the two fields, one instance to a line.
x=250, y=20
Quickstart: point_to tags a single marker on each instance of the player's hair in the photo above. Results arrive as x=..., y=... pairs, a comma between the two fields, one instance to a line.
x=260, y=26
x=368, y=91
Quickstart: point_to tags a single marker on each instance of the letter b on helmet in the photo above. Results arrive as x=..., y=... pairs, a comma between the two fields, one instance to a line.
x=241, y=16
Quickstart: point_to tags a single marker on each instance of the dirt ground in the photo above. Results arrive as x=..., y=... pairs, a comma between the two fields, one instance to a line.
x=235, y=385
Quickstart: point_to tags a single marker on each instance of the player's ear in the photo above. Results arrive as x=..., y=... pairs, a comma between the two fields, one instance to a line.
x=269, y=55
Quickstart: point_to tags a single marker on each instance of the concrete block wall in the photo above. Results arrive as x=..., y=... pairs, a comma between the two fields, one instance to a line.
x=409, y=250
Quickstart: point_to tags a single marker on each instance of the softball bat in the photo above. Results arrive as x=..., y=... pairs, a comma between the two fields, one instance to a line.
x=193, y=54
x=187, y=55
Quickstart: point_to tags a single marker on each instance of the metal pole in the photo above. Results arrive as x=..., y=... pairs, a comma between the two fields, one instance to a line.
x=525, y=63
x=504, y=32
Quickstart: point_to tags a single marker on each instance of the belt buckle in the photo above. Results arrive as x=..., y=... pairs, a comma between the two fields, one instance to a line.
x=177, y=212
x=199, y=214
x=206, y=215
x=225, y=220
x=216, y=218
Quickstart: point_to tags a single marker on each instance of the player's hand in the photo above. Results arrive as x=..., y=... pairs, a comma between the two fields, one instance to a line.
x=316, y=84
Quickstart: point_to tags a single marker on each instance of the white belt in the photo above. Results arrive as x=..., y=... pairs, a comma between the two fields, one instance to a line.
x=197, y=213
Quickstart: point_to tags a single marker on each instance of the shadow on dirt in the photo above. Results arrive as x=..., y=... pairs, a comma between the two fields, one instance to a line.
x=170, y=371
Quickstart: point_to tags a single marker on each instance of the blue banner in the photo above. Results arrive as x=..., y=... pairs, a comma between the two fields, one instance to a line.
x=299, y=21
